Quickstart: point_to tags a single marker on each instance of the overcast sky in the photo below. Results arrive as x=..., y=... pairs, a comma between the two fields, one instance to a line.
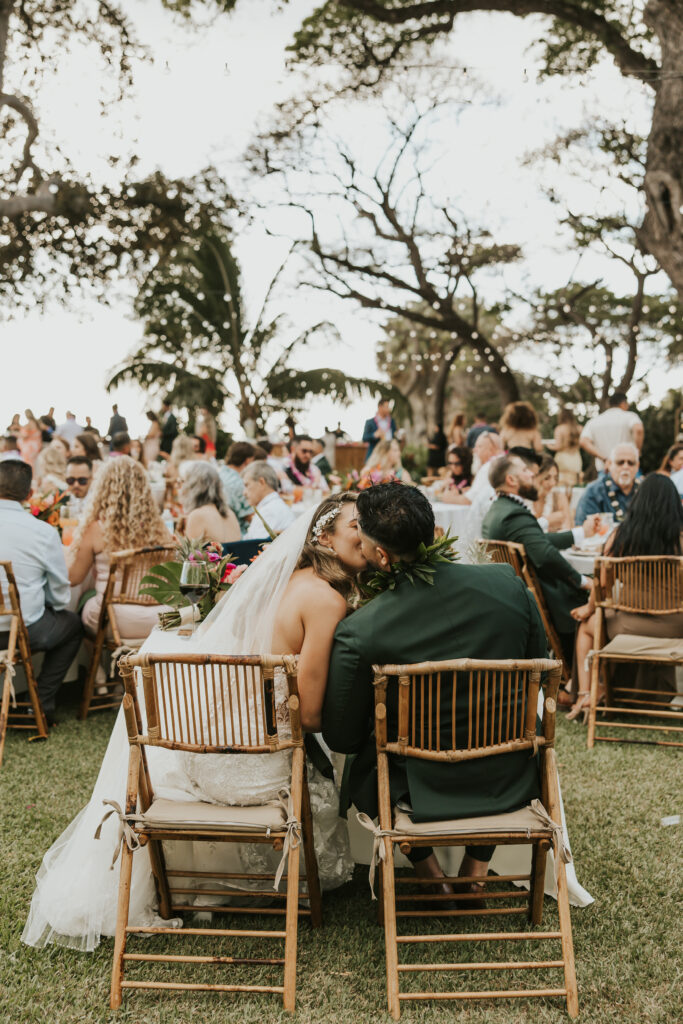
x=199, y=103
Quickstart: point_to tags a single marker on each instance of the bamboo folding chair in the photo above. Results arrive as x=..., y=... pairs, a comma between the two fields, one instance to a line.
x=509, y=553
x=13, y=713
x=502, y=699
x=123, y=588
x=211, y=704
x=650, y=586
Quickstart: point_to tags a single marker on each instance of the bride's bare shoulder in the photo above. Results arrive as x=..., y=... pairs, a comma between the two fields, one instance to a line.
x=306, y=587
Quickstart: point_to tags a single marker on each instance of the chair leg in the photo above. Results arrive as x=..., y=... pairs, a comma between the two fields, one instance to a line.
x=121, y=925
x=89, y=688
x=538, y=863
x=592, y=710
x=567, y=942
x=4, y=713
x=310, y=862
x=158, y=863
x=289, y=996
x=32, y=686
x=391, y=947
x=380, y=896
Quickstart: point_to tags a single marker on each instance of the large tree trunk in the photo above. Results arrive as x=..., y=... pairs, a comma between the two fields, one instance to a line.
x=662, y=230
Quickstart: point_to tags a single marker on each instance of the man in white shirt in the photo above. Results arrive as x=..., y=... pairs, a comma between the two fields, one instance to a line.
x=260, y=488
x=612, y=427
x=35, y=550
x=70, y=429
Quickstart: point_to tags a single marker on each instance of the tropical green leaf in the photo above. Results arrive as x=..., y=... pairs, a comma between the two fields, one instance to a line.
x=163, y=583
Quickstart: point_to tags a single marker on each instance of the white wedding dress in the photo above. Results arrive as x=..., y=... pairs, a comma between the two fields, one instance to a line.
x=75, y=899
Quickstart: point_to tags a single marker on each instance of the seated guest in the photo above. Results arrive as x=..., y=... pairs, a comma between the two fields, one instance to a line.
x=260, y=488
x=37, y=556
x=677, y=481
x=50, y=474
x=136, y=451
x=463, y=611
x=120, y=444
x=199, y=446
x=653, y=525
x=9, y=448
x=510, y=518
x=551, y=508
x=85, y=444
x=238, y=457
x=78, y=476
x=320, y=458
x=120, y=514
x=207, y=512
x=673, y=460
x=614, y=490
x=459, y=478
x=299, y=469
x=384, y=465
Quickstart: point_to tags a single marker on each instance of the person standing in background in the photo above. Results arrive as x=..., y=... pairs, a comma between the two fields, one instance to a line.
x=437, y=443
x=380, y=427
x=152, y=442
x=480, y=426
x=205, y=427
x=616, y=425
x=566, y=448
x=457, y=432
x=169, y=427
x=117, y=425
x=30, y=438
x=69, y=429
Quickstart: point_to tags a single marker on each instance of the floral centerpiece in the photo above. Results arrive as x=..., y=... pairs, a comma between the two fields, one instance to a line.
x=47, y=507
x=356, y=481
x=163, y=582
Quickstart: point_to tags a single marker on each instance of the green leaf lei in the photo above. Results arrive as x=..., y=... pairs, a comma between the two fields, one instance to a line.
x=421, y=568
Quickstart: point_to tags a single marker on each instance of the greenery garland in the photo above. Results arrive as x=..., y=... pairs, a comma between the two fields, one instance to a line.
x=421, y=568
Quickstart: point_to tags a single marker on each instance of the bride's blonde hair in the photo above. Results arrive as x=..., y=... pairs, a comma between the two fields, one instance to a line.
x=323, y=561
x=121, y=501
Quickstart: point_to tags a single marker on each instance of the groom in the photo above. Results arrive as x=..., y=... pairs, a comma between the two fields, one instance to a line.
x=467, y=611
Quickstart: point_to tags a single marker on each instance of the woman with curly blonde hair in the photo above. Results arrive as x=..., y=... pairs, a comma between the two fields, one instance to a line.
x=120, y=513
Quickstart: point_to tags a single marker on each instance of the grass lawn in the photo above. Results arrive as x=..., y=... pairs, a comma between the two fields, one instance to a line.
x=627, y=944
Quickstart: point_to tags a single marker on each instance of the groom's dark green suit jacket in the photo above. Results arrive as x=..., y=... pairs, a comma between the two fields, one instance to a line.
x=470, y=611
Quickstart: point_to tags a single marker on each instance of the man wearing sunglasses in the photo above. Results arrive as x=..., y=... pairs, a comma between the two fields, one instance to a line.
x=78, y=475
x=614, y=490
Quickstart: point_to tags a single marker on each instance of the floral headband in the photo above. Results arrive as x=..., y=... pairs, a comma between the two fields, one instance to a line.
x=324, y=521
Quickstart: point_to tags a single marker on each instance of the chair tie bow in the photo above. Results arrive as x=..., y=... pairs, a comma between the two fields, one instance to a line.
x=378, y=850
x=561, y=845
x=126, y=834
x=293, y=834
x=10, y=672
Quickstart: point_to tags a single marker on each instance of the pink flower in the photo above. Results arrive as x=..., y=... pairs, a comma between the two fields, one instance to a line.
x=230, y=567
x=233, y=573
x=213, y=557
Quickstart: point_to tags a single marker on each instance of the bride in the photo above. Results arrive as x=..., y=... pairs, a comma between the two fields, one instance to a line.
x=288, y=602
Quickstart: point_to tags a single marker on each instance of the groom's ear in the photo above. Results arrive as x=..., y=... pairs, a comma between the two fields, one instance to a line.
x=383, y=557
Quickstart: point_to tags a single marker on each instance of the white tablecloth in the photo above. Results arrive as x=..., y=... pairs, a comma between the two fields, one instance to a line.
x=582, y=563
x=451, y=517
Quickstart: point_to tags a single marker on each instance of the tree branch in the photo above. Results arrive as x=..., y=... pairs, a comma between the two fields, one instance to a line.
x=607, y=32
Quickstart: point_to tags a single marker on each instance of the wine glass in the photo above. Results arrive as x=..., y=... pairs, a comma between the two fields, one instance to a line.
x=194, y=584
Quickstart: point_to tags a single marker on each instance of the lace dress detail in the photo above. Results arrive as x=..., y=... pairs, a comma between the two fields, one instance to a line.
x=249, y=779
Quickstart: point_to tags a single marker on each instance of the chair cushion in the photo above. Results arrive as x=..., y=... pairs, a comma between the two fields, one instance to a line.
x=522, y=821
x=171, y=814
x=644, y=647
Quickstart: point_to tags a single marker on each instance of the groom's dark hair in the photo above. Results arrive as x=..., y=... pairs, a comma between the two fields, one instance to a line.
x=397, y=517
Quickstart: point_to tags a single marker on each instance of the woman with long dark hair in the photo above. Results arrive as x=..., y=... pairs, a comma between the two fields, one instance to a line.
x=673, y=460
x=653, y=525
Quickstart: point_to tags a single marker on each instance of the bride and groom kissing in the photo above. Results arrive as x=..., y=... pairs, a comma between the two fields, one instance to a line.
x=300, y=597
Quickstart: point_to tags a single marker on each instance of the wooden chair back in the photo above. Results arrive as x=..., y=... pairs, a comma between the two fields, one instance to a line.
x=650, y=585
x=506, y=552
x=215, y=703
x=126, y=570
x=465, y=709
x=18, y=650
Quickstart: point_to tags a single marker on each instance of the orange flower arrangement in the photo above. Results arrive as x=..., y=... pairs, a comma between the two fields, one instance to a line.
x=47, y=507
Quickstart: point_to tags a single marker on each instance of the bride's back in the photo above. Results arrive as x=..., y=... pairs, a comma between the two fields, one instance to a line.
x=304, y=593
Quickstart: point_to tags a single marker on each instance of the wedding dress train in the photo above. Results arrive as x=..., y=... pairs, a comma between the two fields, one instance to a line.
x=74, y=902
